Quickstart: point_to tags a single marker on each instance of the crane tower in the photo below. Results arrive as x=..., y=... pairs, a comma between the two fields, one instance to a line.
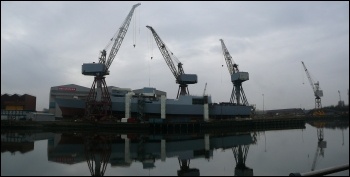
x=98, y=102
x=181, y=78
x=237, y=78
x=318, y=93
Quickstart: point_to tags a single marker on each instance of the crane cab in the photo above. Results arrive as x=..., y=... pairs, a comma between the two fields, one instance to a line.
x=240, y=76
x=92, y=69
x=187, y=79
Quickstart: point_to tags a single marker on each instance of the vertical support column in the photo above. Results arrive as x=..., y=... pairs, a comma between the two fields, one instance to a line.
x=99, y=91
x=127, y=104
x=238, y=94
x=205, y=108
x=162, y=150
x=163, y=106
x=58, y=112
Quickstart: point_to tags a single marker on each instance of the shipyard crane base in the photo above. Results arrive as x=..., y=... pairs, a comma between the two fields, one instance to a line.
x=183, y=90
x=98, y=110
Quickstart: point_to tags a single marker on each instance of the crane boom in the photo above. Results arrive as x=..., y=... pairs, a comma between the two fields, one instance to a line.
x=231, y=66
x=310, y=79
x=101, y=68
x=180, y=76
x=165, y=52
x=119, y=39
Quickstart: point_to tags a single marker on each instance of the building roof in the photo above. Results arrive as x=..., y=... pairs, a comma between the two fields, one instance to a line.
x=290, y=110
x=18, y=95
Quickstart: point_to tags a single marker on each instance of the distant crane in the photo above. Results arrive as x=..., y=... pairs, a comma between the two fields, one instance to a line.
x=237, y=78
x=205, y=88
x=340, y=103
x=180, y=76
x=315, y=88
x=98, y=102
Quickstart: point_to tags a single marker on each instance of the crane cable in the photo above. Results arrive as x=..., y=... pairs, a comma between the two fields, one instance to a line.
x=150, y=50
x=150, y=44
x=134, y=31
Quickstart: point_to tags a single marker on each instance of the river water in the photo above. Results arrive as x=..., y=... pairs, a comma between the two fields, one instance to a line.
x=264, y=153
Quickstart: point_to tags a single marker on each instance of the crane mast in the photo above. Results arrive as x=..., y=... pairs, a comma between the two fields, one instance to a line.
x=98, y=102
x=318, y=93
x=181, y=78
x=237, y=78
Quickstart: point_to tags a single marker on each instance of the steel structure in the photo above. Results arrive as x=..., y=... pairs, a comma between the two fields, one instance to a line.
x=180, y=76
x=98, y=103
x=315, y=88
x=237, y=77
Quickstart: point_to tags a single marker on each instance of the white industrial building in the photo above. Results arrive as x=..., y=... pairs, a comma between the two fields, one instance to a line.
x=70, y=91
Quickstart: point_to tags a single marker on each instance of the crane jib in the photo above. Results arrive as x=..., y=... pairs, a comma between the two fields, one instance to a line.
x=101, y=68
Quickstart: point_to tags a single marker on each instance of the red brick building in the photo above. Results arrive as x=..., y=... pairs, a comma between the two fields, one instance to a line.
x=18, y=102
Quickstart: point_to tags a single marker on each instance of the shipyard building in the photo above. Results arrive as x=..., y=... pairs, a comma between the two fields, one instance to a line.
x=18, y=102
x=17, y=106
x=70, y=91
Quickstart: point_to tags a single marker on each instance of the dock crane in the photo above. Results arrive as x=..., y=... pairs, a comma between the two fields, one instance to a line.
x=340, y=103
x=98, y=103
x=237, y=78
x=180, y=76
x=315, y=88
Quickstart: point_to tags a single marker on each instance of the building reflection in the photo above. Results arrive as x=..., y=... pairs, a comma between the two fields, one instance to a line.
x=122, y=150
x=21, y=142
x=13, y=142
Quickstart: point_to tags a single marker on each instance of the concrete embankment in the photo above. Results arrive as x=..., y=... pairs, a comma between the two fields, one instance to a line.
x=239, y=125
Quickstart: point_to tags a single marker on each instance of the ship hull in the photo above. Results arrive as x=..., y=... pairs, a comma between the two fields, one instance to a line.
x=152, y=108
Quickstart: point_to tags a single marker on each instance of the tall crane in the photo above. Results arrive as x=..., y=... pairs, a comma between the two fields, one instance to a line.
x=181, y=78
x=237, y=78
x=315, y=88
x=98, y=102
x=340, y=103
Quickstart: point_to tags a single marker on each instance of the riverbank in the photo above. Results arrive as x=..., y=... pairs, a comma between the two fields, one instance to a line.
x=228, y=125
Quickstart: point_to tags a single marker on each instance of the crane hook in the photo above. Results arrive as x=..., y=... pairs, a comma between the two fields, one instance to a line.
x=134, y=45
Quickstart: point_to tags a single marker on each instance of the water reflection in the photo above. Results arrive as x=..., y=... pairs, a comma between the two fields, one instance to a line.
x=320, y=125
x=96, y=150
x=13, y=142
x=22, y=142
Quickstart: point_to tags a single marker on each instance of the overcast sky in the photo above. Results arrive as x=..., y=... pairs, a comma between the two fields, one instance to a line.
x=44, y=44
